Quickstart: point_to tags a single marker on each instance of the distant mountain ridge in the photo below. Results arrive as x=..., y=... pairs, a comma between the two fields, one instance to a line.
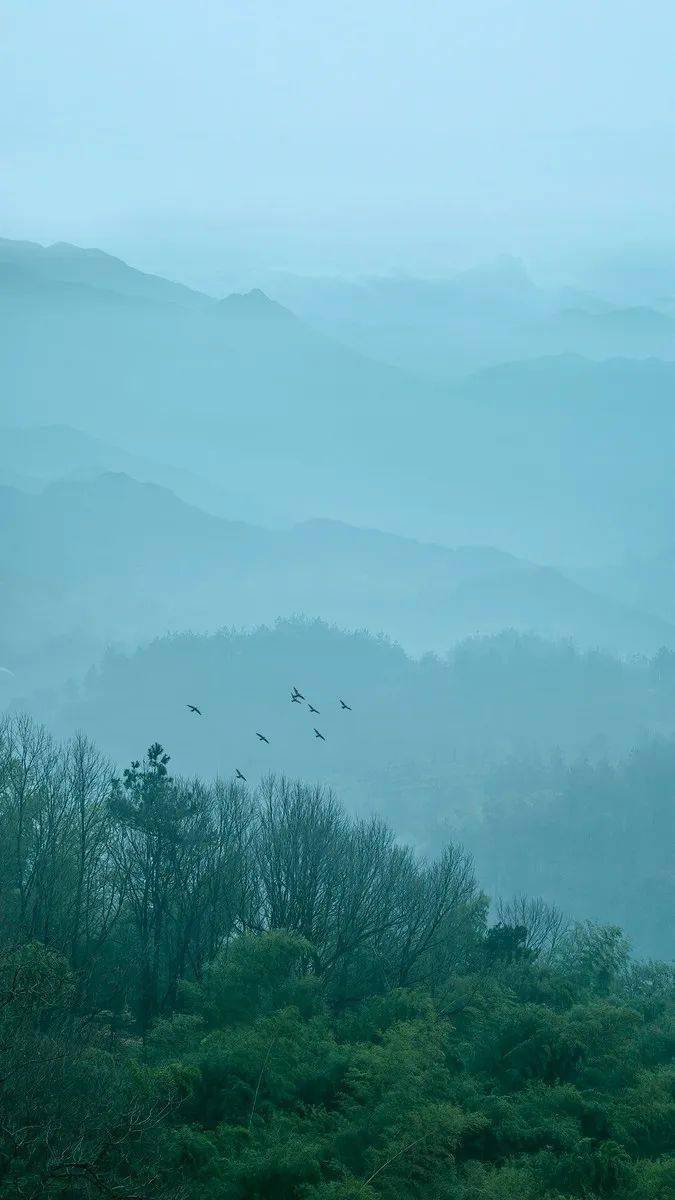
x=93, y=561
x=227, y=389
x=447, y=328
x=552, y=458
x=65, y=263
x=31, y=457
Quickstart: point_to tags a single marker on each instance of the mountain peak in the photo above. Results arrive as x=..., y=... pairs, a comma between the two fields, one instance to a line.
x=254, y=305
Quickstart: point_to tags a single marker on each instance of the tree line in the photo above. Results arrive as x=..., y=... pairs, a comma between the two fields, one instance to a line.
x=215, y=991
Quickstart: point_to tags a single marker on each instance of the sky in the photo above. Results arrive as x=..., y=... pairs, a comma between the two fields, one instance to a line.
x=369, y=134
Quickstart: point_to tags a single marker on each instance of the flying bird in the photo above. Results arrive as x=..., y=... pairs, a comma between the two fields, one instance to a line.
x=345, y=706
x=319, y=735
x=239, y=775
x=312, y=708
x=295, y=699
x=262, y=738
x=297, y=693
x=193, y=709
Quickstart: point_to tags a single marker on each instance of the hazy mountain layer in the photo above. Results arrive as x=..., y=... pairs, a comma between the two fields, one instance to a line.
x=552, y=459
x=444, y=328
x=88, y=562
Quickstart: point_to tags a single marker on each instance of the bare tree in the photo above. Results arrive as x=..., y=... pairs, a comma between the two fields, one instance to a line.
x=440, y=910
x=97, y=892
x=545, y=925
x=371, y=912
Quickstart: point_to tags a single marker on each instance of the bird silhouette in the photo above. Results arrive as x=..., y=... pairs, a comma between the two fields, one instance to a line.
x=345, y=706
x=312, y=708
x=239, y=775
x=295, y=699
x=297, y=693
x=262, y=738
x=193, y=709
x=319, y=735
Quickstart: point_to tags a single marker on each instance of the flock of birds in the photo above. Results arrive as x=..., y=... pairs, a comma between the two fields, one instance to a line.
x=296, y=698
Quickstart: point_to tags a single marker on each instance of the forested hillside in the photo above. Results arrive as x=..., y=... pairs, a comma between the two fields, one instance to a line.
x=208, y=990
x=593, y=836
x=522, y=748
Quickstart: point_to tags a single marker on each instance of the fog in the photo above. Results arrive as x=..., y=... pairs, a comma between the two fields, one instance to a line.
x=209, y=141
x=459, y=467
x=337, y=600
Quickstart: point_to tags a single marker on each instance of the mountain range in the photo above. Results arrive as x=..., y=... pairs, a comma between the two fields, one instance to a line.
x=90, y=561
x=178, y=529
x=277, y=414
x=445, y=328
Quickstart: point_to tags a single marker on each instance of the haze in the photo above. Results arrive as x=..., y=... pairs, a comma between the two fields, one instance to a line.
x=209, y=140
x=337, y=600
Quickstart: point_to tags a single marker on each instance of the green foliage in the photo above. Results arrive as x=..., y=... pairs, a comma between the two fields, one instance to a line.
x=403, y=1050
x=257, y=976
x=33, y=982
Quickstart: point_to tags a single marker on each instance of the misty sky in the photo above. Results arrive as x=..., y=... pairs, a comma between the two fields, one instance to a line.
x=369, y=133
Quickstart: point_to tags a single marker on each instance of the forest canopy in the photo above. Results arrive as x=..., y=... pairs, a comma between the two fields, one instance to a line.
x=212, y=991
